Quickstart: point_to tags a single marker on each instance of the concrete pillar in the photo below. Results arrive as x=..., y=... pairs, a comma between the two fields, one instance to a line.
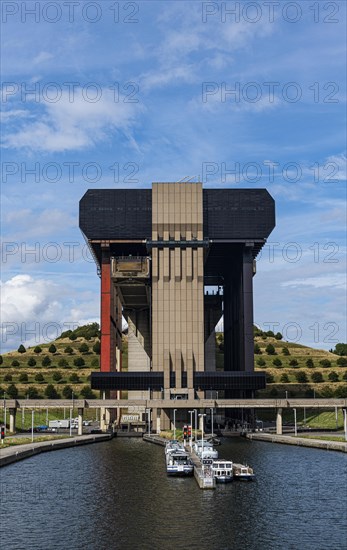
x=279, y=422
x=105, y=314
x=105, y=419
x=158, y=425
x=165, y=419
x=154, y=419
x=201, y=422
x=80, y=421
x=13, y=420
x=247, y=289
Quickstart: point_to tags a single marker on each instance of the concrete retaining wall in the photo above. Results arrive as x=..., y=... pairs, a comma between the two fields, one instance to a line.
x=300, y=441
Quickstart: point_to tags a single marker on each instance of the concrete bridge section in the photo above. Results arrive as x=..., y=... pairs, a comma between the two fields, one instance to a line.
x=157, y=405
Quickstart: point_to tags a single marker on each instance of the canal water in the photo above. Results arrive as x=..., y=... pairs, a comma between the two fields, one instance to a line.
x=116, y=495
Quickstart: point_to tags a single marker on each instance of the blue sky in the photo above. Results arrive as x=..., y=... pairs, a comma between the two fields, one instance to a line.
x=121, y=94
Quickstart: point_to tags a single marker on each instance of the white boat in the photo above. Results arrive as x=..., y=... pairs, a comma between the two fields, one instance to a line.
x=243, y=472
x=205, y=450
x=178, y=463
x=173, y=445
x=222, y=470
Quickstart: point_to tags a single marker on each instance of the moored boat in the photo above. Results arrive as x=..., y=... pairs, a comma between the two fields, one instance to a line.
x=222, y=470
x=243, y=472
x=178, y=463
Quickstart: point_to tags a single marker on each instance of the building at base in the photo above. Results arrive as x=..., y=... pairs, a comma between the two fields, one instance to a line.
x=173, y=260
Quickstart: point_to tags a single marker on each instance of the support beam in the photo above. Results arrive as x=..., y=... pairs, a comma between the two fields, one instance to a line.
x=13, y=420
x=279, y=422
x=80, y=421
x=247, y=291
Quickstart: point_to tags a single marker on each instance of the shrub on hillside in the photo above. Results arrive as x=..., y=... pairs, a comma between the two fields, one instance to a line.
x=23, y=378
x=270, y=350
x=341, y=391
x=270, y=378
x=261, y=362
x=344, y=376
x=62, y=362
x=95, y=363
x=8, y=378
x=21, y=349
x=342, y=362
x=57, y=376
x=340, y=349
x=278, y=336
x=309, y=363
x=31, y=362
x=333, y=376
x=97, y=347
x=325, y=363
x=15, y=363
x=79, y=362
x=257, y=349
x=12, y=391
x=37, y=349
x=327, y=392
x=67, y=392
x=317, y=377
x=270, y=333
x=52, y=348
x=83, y=348
x=293, y=363
x=51, y=392
x=39, y=377
x=284, y=378
x=32, y=392
x=301, y=377
x=74, y=378
x=277, y=362
x=46, y=361
x=68, y=350
x=285, y=351
x=1, y=360
x=72, y=337
x=87, y=393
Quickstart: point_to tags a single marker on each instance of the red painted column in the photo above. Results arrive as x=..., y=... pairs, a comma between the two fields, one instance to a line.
x=105, y=314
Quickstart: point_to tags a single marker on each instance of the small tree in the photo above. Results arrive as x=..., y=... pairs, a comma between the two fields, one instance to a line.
x=52, y=349
x=261, y=362
x=23, y=378
x=46, y=361
x=325, y=363
x=327, y=392
x=39, y=377
x=278, y=336
x=309, y=363
x=270, y=333
x=8, y=378
x=1, y=360
x=79, y=362
x=87, y=393
x=293, y=363
x=74, y=378
x=67, y=392
x=341, y=349
x=95, y=363
x=342, y=362
x=257, y=349
x=344, y=377
x=68, y=350
x=63, y=363
x=57, y=376
x=83, y=348
x=72, y=337
x=270, y=350
x=12, y=391
x=333, y=376
x=15, y=363
x=97, y=347
x=277, y=362
x=37, y=349
x=269, y=378
x=317, y=377
x=341, y=392
x=301, y=377
x=21, y=349
x=31, y=362
x=285, y=351
x=284, y=378
x=51, y=392
x=32, y=392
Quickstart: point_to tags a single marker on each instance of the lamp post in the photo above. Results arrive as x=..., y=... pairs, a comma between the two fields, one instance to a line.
x=202, y=440
x=295, y=428
x=174, y=423
x=212, y=421
x=5, y=411
x=345, y=422
x=71, y=409
x=196, y=423
x=32, y=425
x=191, y=430
x=148, y=411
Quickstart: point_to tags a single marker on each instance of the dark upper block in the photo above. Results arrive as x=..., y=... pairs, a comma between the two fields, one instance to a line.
x=244, y=214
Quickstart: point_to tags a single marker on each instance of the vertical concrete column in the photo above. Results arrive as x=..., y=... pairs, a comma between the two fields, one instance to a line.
x=154, y=419
x=279, y=422
x=13, y=420
x=165, y=422
x=247, y=290
x=105, y=418
x=80, y=421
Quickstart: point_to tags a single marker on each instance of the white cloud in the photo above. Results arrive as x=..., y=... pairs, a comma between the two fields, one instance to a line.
x=36, y=310
x=77, y=124
x=332, y=280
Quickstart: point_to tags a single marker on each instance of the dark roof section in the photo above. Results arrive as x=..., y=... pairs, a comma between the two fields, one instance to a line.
x=245, y=214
